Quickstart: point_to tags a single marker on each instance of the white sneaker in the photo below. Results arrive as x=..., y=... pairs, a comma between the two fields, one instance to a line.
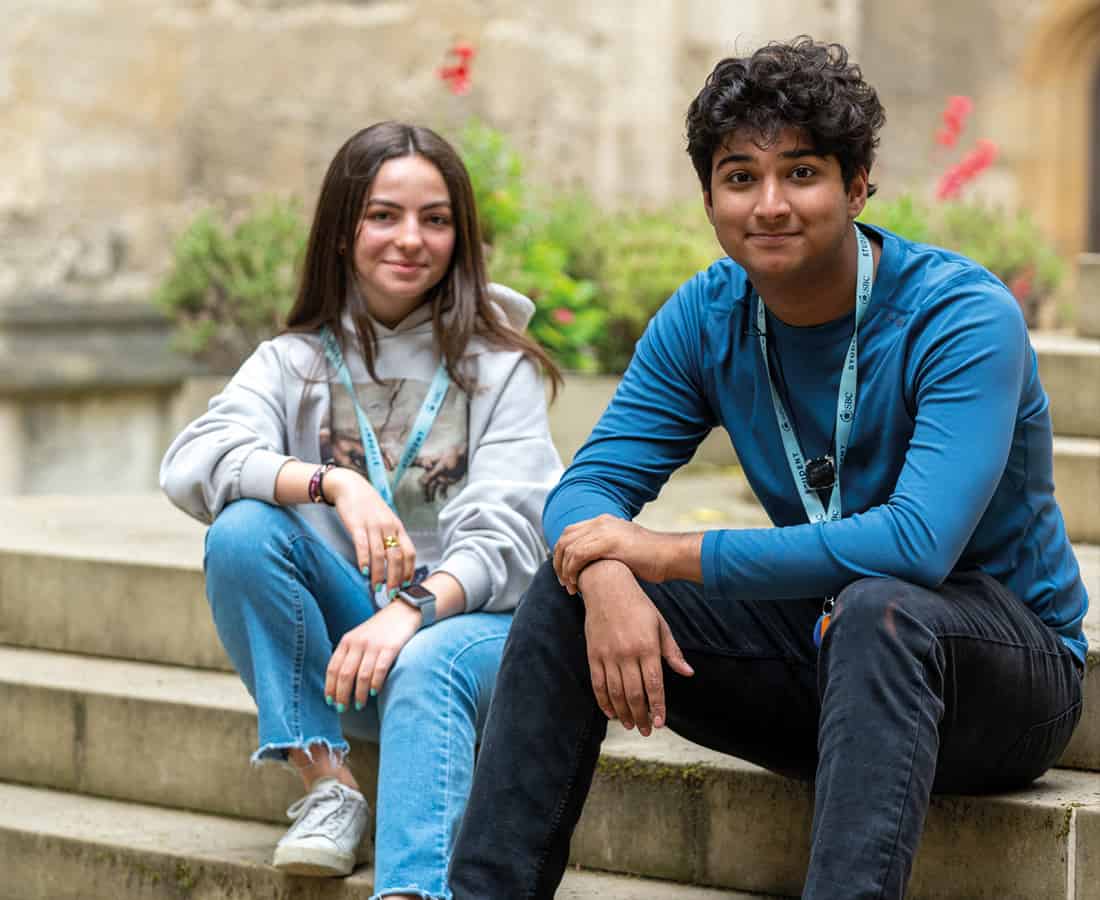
x=328, y=824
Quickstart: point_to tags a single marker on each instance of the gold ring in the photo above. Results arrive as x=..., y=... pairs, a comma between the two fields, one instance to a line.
x=390, y=541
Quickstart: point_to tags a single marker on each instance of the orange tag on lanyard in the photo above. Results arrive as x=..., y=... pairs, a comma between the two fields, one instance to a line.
x=824, y=621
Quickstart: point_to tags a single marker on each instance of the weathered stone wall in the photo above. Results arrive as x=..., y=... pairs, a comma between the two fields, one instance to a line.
x=119, y=118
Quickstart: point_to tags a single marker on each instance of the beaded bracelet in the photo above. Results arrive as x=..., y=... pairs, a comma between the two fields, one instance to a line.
x=317, y=483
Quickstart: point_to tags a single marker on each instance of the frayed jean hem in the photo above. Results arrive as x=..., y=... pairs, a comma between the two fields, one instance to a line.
x=414, y=892
x=277, y=752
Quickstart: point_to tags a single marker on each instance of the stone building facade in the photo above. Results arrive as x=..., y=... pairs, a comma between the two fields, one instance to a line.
x=120, y=119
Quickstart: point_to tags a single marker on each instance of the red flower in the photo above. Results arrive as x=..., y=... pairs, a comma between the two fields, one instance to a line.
x=564, y=316
x=1022, y=284
x=954, y=120
x=945, y=137
x=966, y=170
x=458, y=75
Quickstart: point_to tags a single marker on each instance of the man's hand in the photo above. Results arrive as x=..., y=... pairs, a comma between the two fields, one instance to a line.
x=627, y=638
x=651, y=555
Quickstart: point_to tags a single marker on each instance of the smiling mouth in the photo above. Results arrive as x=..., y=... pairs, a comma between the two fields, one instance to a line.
x=398, y=264
x=777, y=236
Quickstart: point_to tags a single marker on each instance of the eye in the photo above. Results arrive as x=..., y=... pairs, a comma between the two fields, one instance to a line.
x=739, y=176
x=800, y=172
x=439, y=220
x=380, y=215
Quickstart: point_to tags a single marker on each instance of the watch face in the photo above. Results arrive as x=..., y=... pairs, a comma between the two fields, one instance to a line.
x=417, y=592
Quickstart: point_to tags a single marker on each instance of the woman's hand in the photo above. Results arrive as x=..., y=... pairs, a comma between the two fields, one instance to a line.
x=369, y=521
x=365, y=655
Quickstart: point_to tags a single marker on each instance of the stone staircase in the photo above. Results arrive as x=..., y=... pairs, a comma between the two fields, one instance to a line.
x=125, y=772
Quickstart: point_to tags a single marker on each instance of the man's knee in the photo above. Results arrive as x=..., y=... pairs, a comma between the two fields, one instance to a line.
x=874, y=612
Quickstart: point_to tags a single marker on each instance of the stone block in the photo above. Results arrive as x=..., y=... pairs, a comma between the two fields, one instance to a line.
x=58, y=846
x=1070, y=371
x=1088, y=295
x=107, y=608
x=1077, y=486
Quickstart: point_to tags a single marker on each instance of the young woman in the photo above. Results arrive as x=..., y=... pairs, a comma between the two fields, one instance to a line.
x=375, y=478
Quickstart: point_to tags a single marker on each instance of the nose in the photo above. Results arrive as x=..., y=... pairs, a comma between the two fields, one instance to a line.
x=408, y=236
x=771, y=201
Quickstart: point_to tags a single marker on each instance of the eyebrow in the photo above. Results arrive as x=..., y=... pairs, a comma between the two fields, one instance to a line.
x=390, y=203
x=799, y=153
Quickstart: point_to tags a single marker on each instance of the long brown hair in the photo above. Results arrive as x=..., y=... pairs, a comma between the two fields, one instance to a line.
x=461, y=308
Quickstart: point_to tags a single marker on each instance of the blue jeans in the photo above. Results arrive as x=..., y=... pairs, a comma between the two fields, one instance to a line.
x=281, y=601
x=960, y=689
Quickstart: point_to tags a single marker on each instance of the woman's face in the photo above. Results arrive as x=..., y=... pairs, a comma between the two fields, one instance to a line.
x=405, y=239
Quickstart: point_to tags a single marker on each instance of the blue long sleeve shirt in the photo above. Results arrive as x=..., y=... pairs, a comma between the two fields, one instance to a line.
x=950, y=458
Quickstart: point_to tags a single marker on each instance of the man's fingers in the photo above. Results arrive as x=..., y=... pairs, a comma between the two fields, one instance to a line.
x=559, y=555
x=655, y=690
x=671, y=652
x=616, y=693
x=599, y=688
x=576, y=558
x=635, y=692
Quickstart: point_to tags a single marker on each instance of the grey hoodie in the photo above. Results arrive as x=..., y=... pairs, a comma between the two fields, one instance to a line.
x=471, y=502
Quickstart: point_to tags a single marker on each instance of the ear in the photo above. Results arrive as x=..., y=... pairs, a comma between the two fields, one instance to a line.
x=708, y=206
x=857, y=192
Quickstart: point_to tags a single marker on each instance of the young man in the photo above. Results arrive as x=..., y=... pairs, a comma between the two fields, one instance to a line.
x=913, y=621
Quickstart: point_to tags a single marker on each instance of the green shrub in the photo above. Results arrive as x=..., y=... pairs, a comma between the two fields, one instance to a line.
x=496, y=171
x=535, y=244
x=230, y=286
x=1009, y=244
x=638, y=260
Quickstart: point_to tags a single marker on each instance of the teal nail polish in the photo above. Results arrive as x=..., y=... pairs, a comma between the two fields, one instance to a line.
x=405, y=584
x=393, y=593
x=340, y=707
x=378, y=587
x=358, y=706
x=365, y=570
x=373, y=692
x=328, y=700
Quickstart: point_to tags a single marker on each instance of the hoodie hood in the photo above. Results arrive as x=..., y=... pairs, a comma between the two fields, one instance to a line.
x=517, y=308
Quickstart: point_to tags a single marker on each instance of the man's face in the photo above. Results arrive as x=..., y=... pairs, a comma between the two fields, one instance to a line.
x=782, y=211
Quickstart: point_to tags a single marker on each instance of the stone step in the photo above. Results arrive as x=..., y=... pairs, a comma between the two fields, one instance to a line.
x=122, y=576
x=1077, y=486
x=1070, y=369
x=130, y=585
x=660, y=807
x=60, y=846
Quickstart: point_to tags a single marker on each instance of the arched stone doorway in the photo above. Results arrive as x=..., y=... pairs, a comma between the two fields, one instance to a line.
x=1059, y=158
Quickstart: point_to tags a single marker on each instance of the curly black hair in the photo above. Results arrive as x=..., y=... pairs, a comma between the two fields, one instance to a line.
x=803, y=84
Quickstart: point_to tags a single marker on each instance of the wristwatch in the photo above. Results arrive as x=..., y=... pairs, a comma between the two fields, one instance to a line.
x=420, y=597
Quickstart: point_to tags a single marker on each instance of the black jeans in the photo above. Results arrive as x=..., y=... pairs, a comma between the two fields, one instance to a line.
x=960, y=689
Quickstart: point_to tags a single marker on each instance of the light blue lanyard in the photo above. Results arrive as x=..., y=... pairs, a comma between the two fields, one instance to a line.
x=846, y=399
x=429, y=409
